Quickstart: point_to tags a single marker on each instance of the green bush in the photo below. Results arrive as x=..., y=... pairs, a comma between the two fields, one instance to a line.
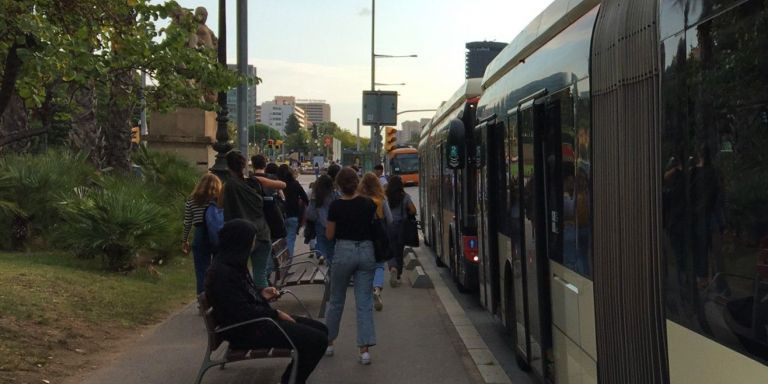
x=59, y=198
x=114, y=220
x=32, y=185
x=172, y=180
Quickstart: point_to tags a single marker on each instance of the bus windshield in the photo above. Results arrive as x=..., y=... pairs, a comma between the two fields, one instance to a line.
x=405, y=164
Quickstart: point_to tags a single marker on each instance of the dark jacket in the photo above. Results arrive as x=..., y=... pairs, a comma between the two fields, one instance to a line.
x=230, y=289
x=240, y=201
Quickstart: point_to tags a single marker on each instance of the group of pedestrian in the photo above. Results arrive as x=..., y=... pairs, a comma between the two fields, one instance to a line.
x=339, y=212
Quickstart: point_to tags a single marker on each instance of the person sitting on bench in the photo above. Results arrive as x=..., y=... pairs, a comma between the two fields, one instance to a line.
x=235, y=298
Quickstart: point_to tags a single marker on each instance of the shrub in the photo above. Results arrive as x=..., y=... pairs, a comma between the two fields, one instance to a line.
x=32, y=186
x=113, y=219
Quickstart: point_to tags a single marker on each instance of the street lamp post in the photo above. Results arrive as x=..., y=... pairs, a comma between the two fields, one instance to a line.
x=222, y=145
x=376, y=129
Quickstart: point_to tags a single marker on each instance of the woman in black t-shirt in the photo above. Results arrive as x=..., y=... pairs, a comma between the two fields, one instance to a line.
x=349, y=222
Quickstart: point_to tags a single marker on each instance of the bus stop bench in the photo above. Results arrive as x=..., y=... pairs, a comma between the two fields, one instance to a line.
x=299, y=272
x=215, y=340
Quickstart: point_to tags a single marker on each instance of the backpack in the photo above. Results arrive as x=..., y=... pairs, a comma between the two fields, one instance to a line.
x=214, y=221
x=273, y=208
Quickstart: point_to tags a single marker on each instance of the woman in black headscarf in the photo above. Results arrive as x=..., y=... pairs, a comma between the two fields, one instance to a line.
x=235, y=298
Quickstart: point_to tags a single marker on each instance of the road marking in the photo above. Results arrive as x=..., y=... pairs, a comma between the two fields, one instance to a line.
x=486, y=362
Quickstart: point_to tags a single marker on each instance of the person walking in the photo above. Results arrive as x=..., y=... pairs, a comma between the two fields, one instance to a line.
x=401, y=205
x=235, y=299
x=317, y=170
x=273, y=201
x=295, y=201
x=242, y=201
x=207, y=190
x=371, y=188
x=379, y=171
x=323, y=194
x=350, y=223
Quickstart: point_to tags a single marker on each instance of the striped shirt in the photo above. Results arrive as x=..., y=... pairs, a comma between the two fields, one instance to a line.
x=193, y=214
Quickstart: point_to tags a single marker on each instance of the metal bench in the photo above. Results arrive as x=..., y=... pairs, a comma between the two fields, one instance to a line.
x=215, y=340
x=299, y=272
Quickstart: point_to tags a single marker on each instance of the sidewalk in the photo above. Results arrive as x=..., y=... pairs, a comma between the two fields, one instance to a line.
x=417, y=343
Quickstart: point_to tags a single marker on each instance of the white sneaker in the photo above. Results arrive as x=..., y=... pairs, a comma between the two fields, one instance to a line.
x=378, y=302
x=365, y=358
x=329, y=350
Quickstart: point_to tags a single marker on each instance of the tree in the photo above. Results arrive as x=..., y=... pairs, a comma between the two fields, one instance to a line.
x=261, y=132
x=298, y=142
x=292, y=125
x=79, y=61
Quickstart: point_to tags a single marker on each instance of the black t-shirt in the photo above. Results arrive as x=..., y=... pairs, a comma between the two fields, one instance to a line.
x=295, y=196
x=353, y=218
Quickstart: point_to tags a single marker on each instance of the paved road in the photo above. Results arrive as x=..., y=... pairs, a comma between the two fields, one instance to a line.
x=417, y=343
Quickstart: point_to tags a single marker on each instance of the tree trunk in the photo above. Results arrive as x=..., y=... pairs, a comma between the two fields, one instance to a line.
x=117, y=123
x=86, y=134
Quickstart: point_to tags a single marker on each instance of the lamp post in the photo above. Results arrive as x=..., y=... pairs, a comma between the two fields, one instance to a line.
x=222, y=145
x=376, y=129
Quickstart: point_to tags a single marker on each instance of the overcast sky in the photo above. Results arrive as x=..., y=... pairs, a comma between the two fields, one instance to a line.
x=320, y=49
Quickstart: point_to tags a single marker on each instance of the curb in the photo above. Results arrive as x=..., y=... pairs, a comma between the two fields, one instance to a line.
x=486, y=363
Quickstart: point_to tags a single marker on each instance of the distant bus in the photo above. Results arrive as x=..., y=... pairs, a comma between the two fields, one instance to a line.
x=404, y=162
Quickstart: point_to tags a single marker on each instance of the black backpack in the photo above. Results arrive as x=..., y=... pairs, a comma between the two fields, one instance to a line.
x=273, y=208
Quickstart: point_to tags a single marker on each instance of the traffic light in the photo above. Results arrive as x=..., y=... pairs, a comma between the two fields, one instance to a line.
x=270, y=143
x=135, y=135
x=390, y=138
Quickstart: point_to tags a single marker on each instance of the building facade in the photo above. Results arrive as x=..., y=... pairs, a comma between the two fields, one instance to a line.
x=409, y=131
x=276, y=115
x=252, y=99
x=318, y=111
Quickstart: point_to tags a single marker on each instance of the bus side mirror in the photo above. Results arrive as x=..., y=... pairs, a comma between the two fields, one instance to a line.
x=455, y=145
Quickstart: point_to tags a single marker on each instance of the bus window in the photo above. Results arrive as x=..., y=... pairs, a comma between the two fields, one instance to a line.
x=715, y=180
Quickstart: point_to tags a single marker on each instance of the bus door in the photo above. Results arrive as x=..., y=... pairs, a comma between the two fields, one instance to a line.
x=535, y=148
x=486, y=191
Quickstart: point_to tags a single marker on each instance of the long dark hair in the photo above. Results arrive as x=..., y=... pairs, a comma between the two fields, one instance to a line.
x=395, y=191
x=322, y=189
x=285, y=174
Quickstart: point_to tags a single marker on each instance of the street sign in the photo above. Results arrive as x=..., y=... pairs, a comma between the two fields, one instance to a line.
x=379, y=108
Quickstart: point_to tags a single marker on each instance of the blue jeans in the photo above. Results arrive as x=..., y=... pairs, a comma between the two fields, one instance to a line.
x=324, y=246
x=259, y=258
x=201, y=252
x=353, y=258
x=291, y=227
x=378, y=275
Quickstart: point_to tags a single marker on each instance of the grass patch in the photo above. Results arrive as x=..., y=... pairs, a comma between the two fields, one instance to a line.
x=55, y=307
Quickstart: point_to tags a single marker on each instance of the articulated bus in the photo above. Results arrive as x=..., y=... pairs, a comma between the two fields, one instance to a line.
x=622, y=191
x=404, y=162
x=448, y=213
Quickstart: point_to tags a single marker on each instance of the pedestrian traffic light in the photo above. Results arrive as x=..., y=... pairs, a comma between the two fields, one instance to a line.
x=390, y=138
x=135, y=135
x=270, y=143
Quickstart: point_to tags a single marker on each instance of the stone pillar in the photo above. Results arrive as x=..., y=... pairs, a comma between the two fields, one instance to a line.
x=186, y=132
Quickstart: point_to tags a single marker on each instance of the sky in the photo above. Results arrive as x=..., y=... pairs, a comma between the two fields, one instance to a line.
x=321, y=49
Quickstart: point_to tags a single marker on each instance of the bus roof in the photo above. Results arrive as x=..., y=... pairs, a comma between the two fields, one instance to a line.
x=469, y=89
x=559, y=15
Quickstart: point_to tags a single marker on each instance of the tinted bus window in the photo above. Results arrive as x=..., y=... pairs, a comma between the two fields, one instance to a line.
x=715, y=181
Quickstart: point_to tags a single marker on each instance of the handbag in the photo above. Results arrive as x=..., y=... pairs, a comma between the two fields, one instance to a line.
x=410, y=232
x=381, y=251
x=273, y=210
x=409, y=229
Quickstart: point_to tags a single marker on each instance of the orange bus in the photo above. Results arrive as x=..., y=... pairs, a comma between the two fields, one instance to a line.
x=404, y=162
